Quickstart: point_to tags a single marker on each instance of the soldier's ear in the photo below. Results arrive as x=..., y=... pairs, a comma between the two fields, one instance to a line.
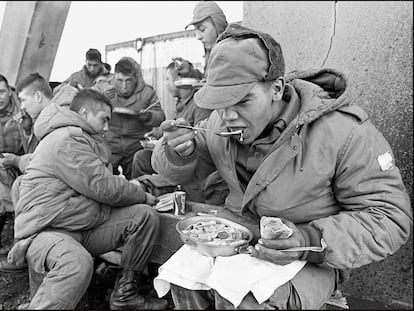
x=84, y=113
x=278, y=88
x=38, y=96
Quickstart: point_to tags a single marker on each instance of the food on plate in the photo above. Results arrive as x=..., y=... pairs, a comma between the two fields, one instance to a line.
x=274, y=228
x=212, y=232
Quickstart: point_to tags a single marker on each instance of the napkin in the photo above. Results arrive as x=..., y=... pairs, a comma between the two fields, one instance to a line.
x=186, y=268
x=232, y=277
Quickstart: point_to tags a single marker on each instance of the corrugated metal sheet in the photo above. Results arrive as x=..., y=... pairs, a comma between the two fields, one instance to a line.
x=156, y=53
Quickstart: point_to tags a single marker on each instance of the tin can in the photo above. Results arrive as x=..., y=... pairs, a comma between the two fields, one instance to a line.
x=179, y=202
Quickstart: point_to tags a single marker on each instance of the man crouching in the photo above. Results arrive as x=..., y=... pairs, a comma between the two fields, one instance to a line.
x=72, y=207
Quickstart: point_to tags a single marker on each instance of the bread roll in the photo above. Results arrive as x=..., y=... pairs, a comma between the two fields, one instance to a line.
x=274, y=228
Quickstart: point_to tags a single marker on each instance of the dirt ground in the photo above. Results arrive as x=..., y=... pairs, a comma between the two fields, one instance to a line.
x=14, y=287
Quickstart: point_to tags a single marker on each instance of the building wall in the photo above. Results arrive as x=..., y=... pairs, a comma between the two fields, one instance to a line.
x=372, y=43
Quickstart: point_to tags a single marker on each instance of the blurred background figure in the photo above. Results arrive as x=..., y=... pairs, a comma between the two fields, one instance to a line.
x=10, y=147
x=137, y=110
x=90, y=71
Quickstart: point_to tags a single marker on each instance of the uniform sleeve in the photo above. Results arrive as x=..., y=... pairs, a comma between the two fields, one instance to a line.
x=179, y=169
x=376, y=216
x=79, y=167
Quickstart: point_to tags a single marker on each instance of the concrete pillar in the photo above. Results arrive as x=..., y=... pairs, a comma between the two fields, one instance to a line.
x=29, y=37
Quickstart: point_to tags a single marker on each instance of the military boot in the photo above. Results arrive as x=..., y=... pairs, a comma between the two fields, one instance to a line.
x=125, y=296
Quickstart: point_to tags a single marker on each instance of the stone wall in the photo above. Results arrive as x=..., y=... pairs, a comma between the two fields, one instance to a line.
x=372, y=43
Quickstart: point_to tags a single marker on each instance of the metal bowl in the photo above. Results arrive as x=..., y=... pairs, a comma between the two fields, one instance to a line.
x=208, y=249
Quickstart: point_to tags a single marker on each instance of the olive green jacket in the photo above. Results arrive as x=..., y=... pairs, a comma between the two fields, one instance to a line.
x=328, y=170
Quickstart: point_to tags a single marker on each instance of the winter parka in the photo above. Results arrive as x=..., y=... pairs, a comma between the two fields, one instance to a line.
x=188, y=110
x=330, y=169
x=83, y=78
x=69, y=182
x=125, y=131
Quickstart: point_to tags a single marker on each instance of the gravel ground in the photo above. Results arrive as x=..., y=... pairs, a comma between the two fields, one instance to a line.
x=14, y=287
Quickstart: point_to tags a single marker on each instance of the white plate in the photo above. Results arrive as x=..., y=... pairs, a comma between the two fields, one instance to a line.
x=185, y=82
x=123, y=110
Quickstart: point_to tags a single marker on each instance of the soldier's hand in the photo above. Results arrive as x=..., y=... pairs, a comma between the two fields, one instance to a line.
x=150, y=199
x=269, y=249
x=105, y=88
x=144, y=116
x=110, y=92
x=183, y=66
x=181, y=140
x=9, y=160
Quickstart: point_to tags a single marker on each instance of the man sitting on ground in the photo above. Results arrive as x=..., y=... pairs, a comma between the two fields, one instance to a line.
x=185, y=108
x=136, y=111
x=10, y=148
x=90, y=71
x=294, y=147
x=35, y=94
x=72, y=207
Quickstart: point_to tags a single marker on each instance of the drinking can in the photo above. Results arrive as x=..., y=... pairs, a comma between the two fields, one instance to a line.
x=179, y=203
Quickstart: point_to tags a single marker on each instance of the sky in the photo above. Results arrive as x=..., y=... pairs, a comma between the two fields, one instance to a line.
x=95, y=24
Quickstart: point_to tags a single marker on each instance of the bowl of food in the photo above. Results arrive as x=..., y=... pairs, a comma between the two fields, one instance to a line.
x=214, y=236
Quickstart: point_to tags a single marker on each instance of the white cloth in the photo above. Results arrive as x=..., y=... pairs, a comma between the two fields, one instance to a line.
x=186, y=268
x=232, y=277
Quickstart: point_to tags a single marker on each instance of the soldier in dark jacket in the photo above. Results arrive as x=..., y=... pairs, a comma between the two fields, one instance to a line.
x=132, y=116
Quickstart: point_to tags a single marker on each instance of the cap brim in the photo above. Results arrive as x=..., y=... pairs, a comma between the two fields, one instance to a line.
x=195, y=21
x=218, y=97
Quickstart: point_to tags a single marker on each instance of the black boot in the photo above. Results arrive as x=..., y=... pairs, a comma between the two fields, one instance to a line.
x=125, y=296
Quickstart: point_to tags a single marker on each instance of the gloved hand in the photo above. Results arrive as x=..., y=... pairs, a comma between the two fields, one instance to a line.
x=144, y=116
x=268, y=249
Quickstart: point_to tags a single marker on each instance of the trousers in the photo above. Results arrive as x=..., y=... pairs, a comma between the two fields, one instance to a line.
x=141, y=164
x=67, y=257
x=308, y=290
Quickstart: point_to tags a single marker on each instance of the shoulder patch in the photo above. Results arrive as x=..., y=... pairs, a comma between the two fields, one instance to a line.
x=355, y=111
x=385, y=161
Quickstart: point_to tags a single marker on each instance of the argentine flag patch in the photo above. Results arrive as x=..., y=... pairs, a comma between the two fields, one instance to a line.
x=385, y=161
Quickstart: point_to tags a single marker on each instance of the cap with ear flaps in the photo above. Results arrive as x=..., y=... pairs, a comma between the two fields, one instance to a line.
x=204, y=9
x=241, y=57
